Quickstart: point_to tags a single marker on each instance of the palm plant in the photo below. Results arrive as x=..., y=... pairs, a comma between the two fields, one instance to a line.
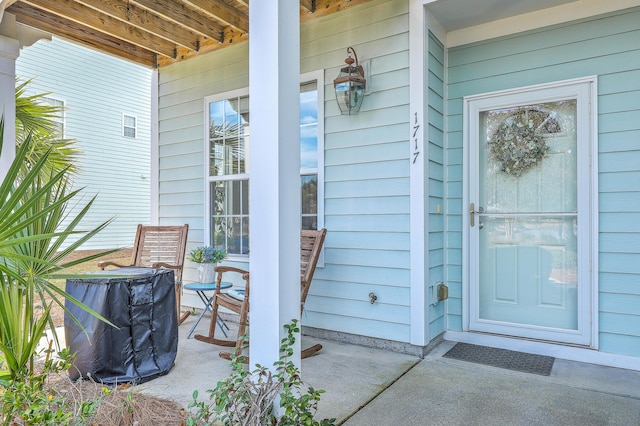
x=33, y=229
x=36, y=119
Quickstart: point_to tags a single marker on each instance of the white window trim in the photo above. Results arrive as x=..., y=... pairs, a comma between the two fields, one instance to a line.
x=208, y=179
x=318, y=76
x=63, y=114
x=135, y=128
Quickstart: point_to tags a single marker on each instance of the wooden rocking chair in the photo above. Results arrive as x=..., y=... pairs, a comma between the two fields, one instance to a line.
x=159, y=247
x=311, y=243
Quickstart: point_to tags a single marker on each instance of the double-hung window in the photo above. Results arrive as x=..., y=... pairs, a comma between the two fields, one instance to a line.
x=129, y=126
x=58, y=118
x=227, y=164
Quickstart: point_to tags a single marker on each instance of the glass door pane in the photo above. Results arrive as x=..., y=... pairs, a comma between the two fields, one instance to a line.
x=527, y=225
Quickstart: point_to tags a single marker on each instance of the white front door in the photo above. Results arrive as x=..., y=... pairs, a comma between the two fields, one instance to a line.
x=529, y=213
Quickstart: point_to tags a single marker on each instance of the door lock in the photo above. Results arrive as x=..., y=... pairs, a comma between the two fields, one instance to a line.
x=473, y=212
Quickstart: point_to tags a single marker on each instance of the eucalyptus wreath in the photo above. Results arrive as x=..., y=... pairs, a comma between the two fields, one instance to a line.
x=517, y=144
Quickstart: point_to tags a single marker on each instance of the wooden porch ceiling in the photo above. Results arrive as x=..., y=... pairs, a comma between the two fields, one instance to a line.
x=152, y=32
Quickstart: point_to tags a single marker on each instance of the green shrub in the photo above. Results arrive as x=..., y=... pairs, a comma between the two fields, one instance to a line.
x=27, y=401
x=247, y=398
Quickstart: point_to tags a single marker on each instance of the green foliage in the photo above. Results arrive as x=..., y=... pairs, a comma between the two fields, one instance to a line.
x=36, y=119
x=27, y=401
x=20, y=331
x=207, y=254
x=299, y=405
x=247, y=398
x=34, y=225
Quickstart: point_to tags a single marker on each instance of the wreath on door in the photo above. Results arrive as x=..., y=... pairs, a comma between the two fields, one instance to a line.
x=519, y=143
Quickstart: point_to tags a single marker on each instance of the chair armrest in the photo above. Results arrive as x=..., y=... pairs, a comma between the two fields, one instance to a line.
x=236, y=293
x=106, y=263
x=220, y=270
x=165, y=265
x=223, y=269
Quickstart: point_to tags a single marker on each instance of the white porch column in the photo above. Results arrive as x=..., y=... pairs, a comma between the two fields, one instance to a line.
x=13, y=37
x=9, y=50
x=155, y=150
x=274, y=189
x=418, y=176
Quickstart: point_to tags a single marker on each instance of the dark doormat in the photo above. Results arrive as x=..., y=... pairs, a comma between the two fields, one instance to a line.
x=502, y=358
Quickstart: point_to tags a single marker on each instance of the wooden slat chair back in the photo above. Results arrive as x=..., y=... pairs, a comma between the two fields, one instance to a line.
x=159, y=247
x=311, y=243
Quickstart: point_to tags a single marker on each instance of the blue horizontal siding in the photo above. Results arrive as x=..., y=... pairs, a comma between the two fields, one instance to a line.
x=624, y=283
x=373, y=258
x=363, y=275
x=356, y=325
x=372, y=135
x=620, y=182
x=620, y=242
x=387, y=294
x=336, y=304
x=96, y=94
x=619, y=141
x=620, y=324
x=547, y=37
x=617, y=303
x=368, y=188
x=366, y=154
x=367, y=205
x=436, y=178
x=620, y=343
x=357, y=223
x=619, y=222
x=607, y=46
x=371, y=240
x=382, y=169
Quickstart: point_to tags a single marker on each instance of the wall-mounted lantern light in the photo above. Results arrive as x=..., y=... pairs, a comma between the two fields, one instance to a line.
x=350, y=85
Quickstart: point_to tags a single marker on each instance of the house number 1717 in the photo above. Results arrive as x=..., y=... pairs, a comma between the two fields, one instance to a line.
x=416, y=127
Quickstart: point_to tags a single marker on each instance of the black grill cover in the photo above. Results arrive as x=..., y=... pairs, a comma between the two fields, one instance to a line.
x=141, y=303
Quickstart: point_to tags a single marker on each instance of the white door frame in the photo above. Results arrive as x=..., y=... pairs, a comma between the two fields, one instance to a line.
x=585, y=90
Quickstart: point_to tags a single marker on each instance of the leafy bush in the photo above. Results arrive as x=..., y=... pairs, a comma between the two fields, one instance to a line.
x=32, y=233
x=247, y=398
x=27, y=401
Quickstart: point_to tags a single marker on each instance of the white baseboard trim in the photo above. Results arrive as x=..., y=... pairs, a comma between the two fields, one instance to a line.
x=570, y=353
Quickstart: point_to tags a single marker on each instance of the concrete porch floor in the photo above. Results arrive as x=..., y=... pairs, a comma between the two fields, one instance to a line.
x=351, y=375
x=367, y=386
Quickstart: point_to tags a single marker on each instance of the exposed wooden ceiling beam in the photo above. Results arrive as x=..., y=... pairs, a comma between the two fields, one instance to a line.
x=327, y=7
x=177, y=12
x=231, y=37
x=223, y=12
x=309, y=5
x=145, y=21
x=154, y=32
x=81, y=14
x=73, y=31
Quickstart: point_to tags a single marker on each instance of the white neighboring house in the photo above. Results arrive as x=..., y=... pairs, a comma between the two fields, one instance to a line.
x=107, y=111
